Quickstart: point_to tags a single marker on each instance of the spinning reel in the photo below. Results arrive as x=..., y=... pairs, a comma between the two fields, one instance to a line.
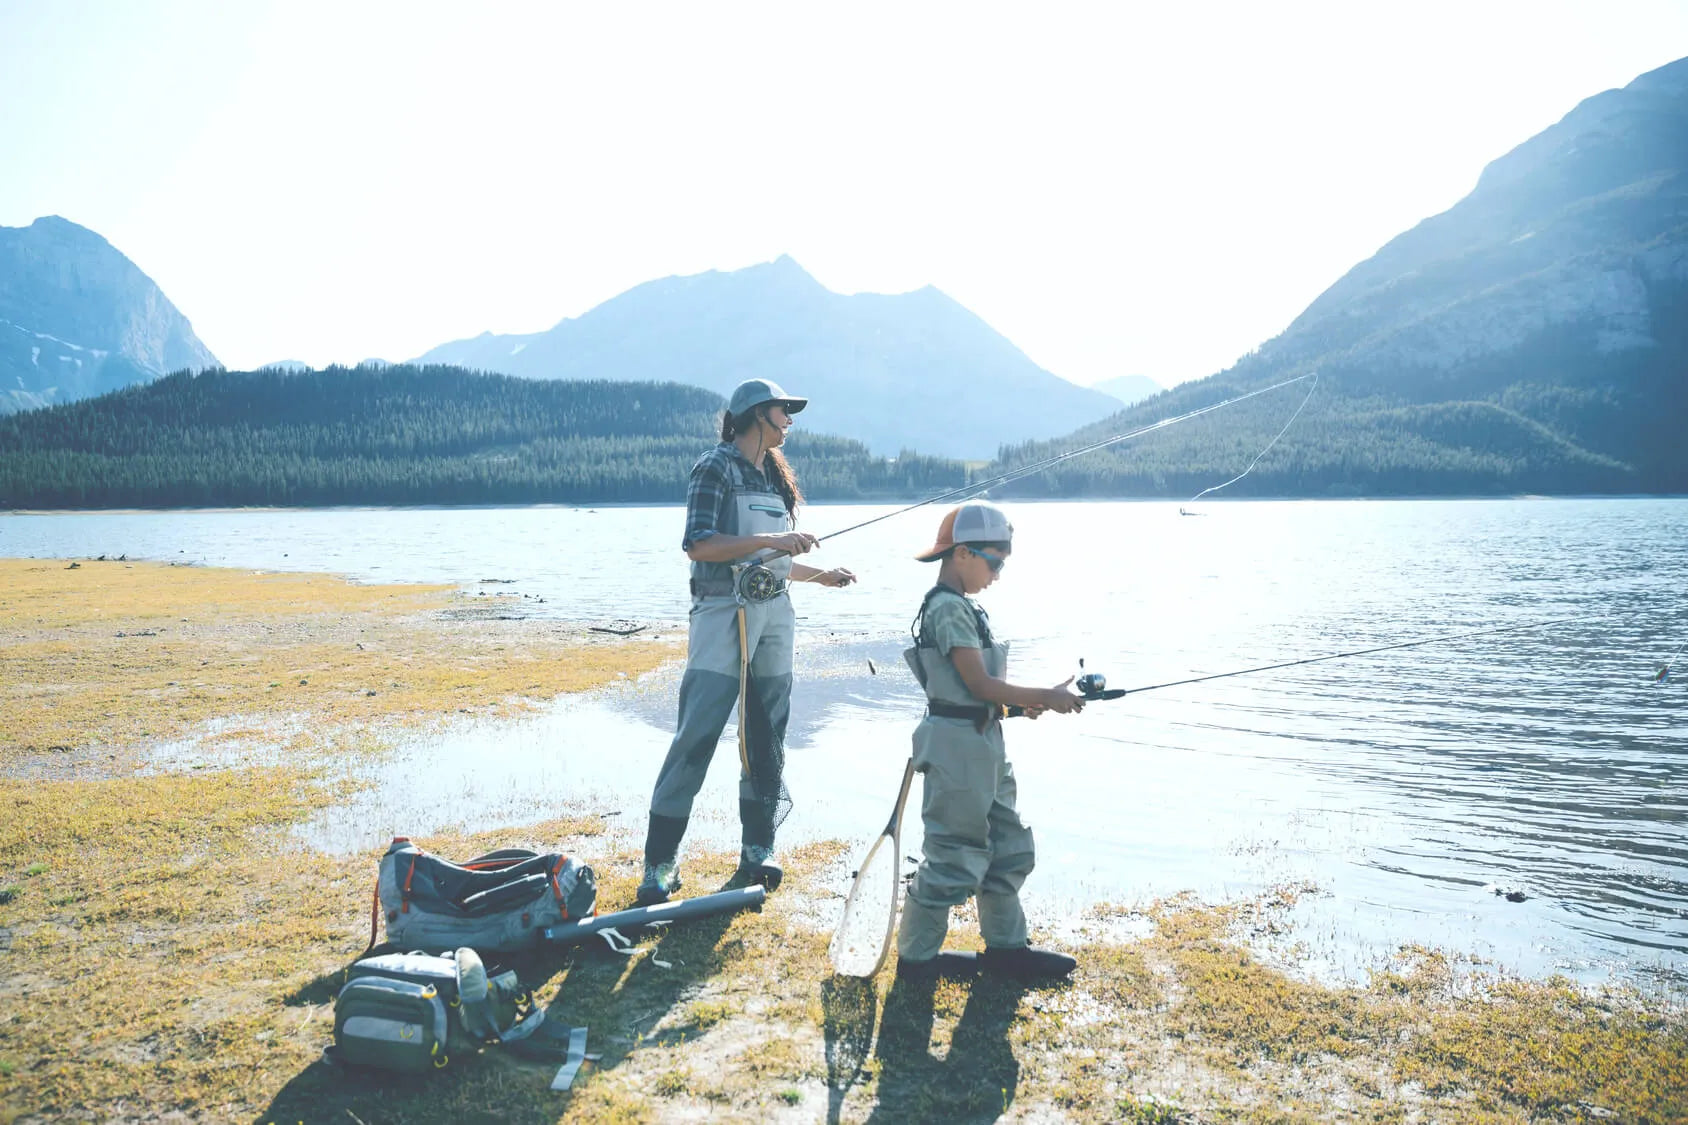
x=1094, y=685
x=1091, y=687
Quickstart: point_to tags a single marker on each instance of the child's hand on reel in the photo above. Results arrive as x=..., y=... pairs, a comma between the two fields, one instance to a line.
x=1060, y=699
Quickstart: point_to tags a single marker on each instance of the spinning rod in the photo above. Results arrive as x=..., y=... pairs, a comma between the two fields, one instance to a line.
x=1096, y=687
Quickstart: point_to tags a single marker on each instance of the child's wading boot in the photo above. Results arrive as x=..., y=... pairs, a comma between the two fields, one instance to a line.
x=1027, y=963
x=662, y=867
x=952, y=965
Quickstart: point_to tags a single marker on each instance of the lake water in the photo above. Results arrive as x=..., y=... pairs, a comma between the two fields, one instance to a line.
x=1407, y=786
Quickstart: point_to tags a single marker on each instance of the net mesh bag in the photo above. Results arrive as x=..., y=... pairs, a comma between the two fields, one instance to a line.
x=863, y=936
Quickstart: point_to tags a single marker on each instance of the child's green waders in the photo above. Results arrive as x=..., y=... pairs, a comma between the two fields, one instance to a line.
x=975, y=843
x=737, y=653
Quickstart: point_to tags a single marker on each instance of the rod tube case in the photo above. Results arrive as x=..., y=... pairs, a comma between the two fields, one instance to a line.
x=722, y=902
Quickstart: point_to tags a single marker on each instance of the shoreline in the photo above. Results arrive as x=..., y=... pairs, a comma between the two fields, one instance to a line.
x=182, y=892
x=893, y=501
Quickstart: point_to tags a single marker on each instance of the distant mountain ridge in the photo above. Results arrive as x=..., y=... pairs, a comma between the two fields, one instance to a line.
x=1533, y=337
x=78, y=318
x=1129, y=389
x=904, y=371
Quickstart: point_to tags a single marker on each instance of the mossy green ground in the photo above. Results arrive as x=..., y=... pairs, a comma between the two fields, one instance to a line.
x=171, y=955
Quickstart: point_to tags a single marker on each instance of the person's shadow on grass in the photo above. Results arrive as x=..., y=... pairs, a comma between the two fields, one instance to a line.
x=849, y=1007
x=978, y=1076
x=620, y=1000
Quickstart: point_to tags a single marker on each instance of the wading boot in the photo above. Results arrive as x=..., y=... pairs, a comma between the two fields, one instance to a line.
x=945, y=964
x=756, y=865
x=660, y=882
x=662, y=867
x=1027, y=963
x=756, y=856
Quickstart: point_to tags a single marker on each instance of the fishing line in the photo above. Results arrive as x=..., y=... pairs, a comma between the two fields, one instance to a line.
x=1357, y=652
x=1315, y=386
x=974, y=488
x=1664, y=673
x=765, y=585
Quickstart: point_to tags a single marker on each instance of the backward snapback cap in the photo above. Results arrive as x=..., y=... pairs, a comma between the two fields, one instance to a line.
x=977, y=521
x=755, y=392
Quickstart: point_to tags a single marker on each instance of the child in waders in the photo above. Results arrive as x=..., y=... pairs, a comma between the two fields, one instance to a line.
x=975, y=844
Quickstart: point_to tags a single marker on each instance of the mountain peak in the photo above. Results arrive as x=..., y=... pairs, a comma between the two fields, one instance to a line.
x=877, y=367
x=61, y=229
x=1599, y=142
x=58, y=222
x=92, y=320
x=784, y=269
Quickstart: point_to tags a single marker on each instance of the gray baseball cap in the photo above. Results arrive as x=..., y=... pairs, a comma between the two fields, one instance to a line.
x=977, y=521
x=754, y=392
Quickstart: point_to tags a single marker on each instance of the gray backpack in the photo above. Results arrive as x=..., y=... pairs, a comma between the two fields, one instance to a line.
x=500, y=902
x=412, y=1012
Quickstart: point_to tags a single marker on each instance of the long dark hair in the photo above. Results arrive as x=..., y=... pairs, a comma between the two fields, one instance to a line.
x=774, y=465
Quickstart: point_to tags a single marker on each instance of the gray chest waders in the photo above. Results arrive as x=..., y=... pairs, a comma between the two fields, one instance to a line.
x=739, y=653
x=975, y=844
x=756, y=583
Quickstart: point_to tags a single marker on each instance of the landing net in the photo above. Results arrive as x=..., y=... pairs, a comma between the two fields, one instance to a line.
x=863, y=937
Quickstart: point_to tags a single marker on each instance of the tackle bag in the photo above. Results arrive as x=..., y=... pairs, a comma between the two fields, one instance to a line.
x=411, y=1012
x=501, y=902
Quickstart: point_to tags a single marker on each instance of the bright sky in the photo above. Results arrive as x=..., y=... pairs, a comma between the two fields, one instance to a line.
x=1124, y=188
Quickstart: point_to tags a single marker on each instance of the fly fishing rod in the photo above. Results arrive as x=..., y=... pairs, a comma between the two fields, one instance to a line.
x=975, y=487
x=756, y=583
x=1094, y=685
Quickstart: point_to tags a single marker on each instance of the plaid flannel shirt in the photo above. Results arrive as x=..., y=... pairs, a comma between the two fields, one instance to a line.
x=709, y=488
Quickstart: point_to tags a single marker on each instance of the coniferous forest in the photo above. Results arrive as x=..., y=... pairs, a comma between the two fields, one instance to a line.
x=395, y=436
x=424, y=435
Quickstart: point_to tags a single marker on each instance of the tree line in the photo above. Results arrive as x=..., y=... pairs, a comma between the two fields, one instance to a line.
x=399, y=435
x=412, y=435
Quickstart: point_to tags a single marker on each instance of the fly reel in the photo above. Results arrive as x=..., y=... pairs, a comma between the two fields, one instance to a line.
x=757, y=584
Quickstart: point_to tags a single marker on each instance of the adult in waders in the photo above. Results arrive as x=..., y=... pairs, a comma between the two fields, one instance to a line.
x=740, y=506
x=975, y=844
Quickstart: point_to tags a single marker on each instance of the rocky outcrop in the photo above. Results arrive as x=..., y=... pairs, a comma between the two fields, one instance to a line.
x=1580, y=234
x=77, y=318
x=1557, y=291
x=1531, y=338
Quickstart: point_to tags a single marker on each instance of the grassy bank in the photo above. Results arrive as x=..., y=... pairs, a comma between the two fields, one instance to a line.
x=100, y=658
x=172, y=954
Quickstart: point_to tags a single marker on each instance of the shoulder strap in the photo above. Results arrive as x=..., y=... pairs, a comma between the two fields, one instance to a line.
x=738, y=476
x=917, y=628
x=735, y=472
